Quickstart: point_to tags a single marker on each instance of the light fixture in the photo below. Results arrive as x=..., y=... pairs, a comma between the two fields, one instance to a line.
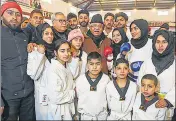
x=70, y=4
x=117, y=10
x=153, y=9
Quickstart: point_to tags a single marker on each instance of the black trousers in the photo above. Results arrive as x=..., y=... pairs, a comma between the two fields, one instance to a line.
x=22, y=109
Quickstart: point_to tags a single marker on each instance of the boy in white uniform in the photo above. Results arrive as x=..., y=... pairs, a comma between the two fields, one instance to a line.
x=121, y=92
x=145, y=106
x=91, y=90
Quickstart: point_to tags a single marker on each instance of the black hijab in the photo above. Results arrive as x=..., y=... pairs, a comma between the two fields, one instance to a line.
x=96, y=40
x=116, y=46
x=143, y=26
x=166, y=59
x=49, y=47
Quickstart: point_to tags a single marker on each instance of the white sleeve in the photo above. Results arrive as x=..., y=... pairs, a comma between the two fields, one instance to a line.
x=161, y=114
x=170, y=96
x=35, y=64
x=133, y=99
x=108, y=96
x=56, y=93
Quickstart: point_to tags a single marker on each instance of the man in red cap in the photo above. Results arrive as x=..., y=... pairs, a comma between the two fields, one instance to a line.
x=17, y=87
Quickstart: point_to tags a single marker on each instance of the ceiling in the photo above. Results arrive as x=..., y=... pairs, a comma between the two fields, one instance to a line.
x=111, y=5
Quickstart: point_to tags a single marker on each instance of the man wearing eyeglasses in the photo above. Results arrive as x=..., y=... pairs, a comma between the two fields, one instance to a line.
x=97, y=41
x=59, y=26
x=17, y=87
x=36, y=18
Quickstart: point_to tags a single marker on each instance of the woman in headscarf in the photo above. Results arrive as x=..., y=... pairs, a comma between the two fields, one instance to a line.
x=140, y=47
x=118, y=38
x=38, y=63
x=162, y=65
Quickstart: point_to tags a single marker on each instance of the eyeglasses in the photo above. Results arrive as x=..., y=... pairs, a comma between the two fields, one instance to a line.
x=10, y=12
x=61, y=21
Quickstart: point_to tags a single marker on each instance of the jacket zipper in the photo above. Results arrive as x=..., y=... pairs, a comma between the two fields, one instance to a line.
x=20, y=63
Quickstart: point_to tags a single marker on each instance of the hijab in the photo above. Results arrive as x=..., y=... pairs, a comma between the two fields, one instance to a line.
x=143, y=26
x=164, y=60
x=49, y=52
x=116, y=46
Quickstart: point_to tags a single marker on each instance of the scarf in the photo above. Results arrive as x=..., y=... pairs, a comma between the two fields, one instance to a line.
x=143, y=39
x=96, y=40
x=165, y=60
x=49, y=52
x=116, y=46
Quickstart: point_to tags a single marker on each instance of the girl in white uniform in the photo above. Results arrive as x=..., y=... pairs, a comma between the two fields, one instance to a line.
x=162, y=64
x=37, y=67
x=60, y=85
x=121, y=92
x=78, y=60
x=145, y=104
x=141, y=46
x=91, y=90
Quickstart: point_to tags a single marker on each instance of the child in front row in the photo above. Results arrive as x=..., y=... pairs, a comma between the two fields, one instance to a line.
x=91, y=90
x=121, y=92
x=146, y=101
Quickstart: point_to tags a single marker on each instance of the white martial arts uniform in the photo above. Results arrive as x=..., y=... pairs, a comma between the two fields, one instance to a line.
x=120, y=110
x=151, y=113
x=74, y=65
x=92, y=104
x=60, y=92
x=36, y=69
x=166, y=79
x=141, y=54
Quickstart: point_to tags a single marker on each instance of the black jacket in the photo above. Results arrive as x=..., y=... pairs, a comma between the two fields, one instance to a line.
x=59, y=35
x=15, y=81
x=30, y=32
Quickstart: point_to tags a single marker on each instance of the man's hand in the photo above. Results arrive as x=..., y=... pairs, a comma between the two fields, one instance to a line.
x=30, y=47
x=161, y=104
x=2, y=109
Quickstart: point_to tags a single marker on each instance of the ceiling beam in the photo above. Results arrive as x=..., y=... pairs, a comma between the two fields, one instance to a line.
x=88, y=4
x=100, y=4
x=81, y=2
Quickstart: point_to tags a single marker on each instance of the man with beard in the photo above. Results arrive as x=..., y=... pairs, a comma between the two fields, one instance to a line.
x=121, y=21
x=17, y=87
x=72, y=21
x=59, y=26
x=108, y=23
x=36, y=18
x=83, y=20
x=96, y=40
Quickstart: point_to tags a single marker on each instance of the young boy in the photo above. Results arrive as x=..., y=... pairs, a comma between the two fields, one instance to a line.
x=121, y=92
x=91, y=90
x=145, y=104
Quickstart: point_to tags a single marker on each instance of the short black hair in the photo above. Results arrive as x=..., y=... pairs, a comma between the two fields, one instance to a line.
x=165, y=25
x=71, y=15
x=108, y=14
x=121, y=60
x=94, y=55
x=36, y=11
x=151, y=77
x=83, y=12
x=59, y=42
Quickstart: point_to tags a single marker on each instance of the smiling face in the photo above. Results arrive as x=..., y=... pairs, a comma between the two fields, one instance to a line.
x=36, y=19
x=12, y=18
x=116, y=37
x=148, y=87
x=96, y=29
x=121, y=70
x=109, y=21
x=161, y=44
x=120, y=22
x=83, y=20
x=135, y=32
x=73, y=23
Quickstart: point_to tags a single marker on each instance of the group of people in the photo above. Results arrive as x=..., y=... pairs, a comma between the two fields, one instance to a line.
x=81, y=69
